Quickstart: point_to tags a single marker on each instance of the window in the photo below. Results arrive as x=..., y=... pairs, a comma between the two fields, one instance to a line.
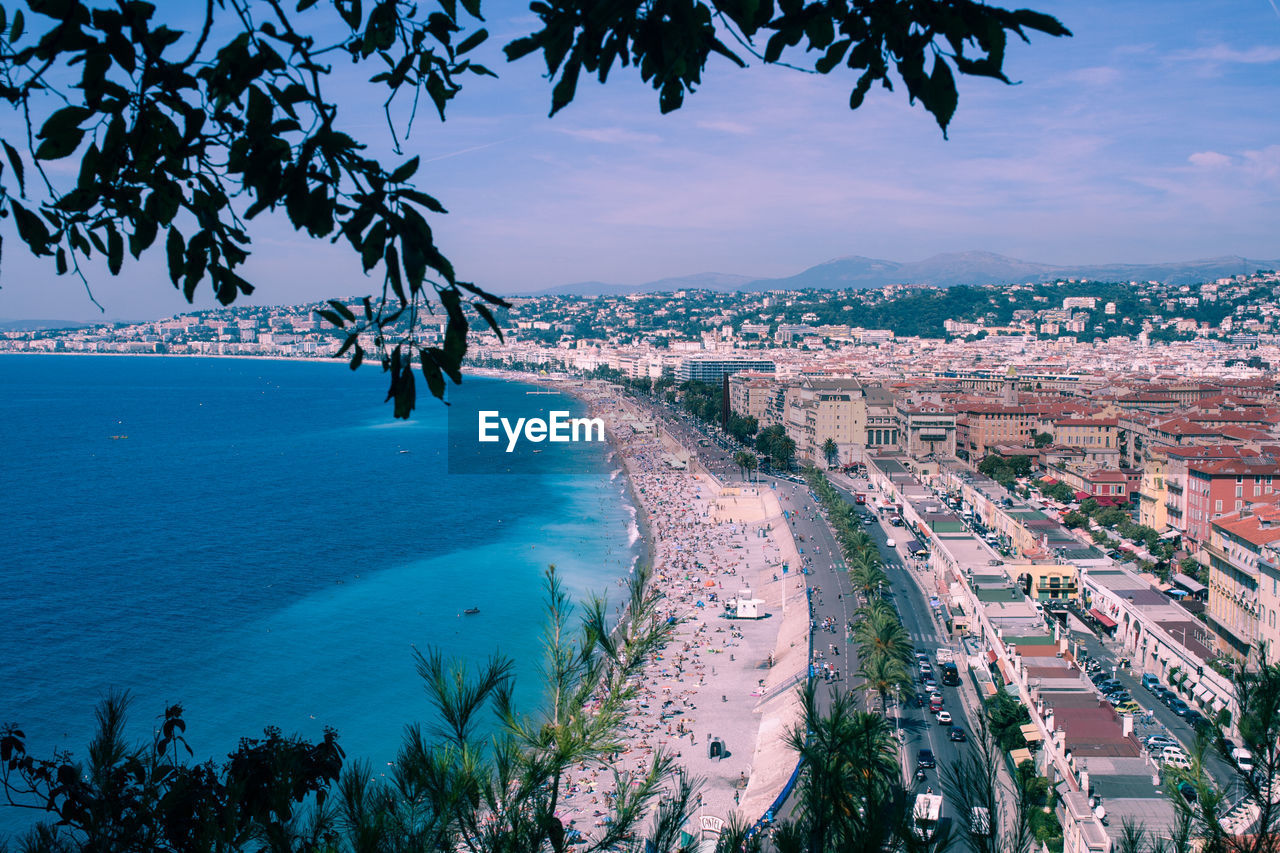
x=1217, y=506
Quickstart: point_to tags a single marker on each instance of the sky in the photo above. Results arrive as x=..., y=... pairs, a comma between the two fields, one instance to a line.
x=1153, y=134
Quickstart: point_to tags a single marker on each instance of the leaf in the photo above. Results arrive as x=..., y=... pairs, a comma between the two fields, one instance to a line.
x=405, y=171
x=564, y=90
x=175, y=248
x=15, y=160
x=342, y=309
x=115, y=250
x=31, y=229
x=429, y=202
x=60, y=261
x=483, y=311
x=371, y=251
x=16, y=32
x=473, y=41
x=431, y=372
x=332, y=318
x=60, y=145
x=943, y=96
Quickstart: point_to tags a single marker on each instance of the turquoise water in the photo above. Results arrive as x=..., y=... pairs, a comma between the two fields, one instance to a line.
x=261, y=549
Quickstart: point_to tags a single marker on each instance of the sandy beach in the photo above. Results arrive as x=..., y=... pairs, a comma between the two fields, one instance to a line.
x=719, y=678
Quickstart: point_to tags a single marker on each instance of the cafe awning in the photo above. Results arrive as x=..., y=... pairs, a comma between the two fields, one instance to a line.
x=1019, y=756
x=1103, y=619
x=1030, y=733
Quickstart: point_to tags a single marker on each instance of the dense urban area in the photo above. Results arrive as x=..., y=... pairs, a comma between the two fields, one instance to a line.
x=1081, y=479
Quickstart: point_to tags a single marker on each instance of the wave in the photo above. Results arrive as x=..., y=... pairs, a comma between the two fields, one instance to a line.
x=633, y=531
x=614, y=475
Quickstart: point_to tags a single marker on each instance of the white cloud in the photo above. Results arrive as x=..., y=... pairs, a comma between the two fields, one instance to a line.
x=1209, y=159
x=726, y=127
x=1225, y=54
x=611, y=135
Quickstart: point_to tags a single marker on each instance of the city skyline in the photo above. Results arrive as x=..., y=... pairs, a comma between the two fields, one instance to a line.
x=1134, y=141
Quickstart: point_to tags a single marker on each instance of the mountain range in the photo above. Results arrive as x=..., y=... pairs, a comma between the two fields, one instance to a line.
x=945, y=270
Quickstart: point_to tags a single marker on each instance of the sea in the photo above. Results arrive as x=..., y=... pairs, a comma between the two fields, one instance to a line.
x=262, y=543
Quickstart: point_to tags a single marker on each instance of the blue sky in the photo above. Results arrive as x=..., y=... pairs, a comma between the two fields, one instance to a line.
x=1153, y=134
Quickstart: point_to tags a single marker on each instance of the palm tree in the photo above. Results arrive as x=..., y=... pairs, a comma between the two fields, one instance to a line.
x=830, y=451
x=866, y=577
x=881, y=674
x=880, y=634
x=751, y=462
x=849, y=790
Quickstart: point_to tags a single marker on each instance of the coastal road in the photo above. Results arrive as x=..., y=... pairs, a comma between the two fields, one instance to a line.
x=923, y=730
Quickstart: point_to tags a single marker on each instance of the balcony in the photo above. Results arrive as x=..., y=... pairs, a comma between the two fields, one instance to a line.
x=1174, y=488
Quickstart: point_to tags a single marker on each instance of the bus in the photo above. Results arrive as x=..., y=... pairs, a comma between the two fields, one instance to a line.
x=950, y=675
x=926, y=815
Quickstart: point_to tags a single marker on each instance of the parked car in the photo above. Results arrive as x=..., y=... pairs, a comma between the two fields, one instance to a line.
x=925, y=758
x=958, y=735
x=1243, y=759
x=1188, y=791
x=1160, y=692
x=1160, y=742
x=1119, y=697
x=1149, y=680
x=944, y=718
x=1178, y=706
x=1108, y=686
x=1129, y=707
x=1175, y=759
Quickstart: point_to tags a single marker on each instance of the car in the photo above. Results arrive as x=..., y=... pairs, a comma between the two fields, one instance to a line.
x=1108, y=686
x=1199, y=722
x=1160, y=742
x=1188, y=791
x=1178, y=706
x=1149, y=680
x=890, y=543
x=1119, y=697
x=935, y=707
x=1243, y=759
x=936, y=697
x=1129, y=707
x=925, y=758
x=930, y=685
x=944, y=718
x=922, y=657
x=958, y=735
x=1175, y=759
x=1160, y=692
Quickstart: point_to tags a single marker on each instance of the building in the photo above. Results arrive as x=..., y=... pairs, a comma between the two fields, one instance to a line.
x=712, y=370
x=750, y=394
x=1234, y=552
x=926, y=429
x=819, y=409
x=1219, y=486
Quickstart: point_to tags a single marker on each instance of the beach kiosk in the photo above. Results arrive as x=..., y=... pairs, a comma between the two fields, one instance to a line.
x=744, y=606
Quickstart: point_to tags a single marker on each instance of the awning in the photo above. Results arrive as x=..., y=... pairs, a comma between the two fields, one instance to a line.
x=1019, y=756
x=1201, y=693
x=1103, y=619
x=991, y=657
x=1031, y=734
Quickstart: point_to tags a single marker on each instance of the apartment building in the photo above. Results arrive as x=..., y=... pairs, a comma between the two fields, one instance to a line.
x=1219, y=486
x=926, y=429
x=1235, y=550
x=819, y=409
x=750, y=394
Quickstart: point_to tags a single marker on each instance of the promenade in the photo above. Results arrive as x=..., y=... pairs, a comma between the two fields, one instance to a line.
x=731, y=680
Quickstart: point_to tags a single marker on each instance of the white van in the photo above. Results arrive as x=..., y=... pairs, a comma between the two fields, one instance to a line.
x=891, y=543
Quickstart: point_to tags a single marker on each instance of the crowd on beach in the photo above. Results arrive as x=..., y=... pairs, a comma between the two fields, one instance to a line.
x=696, y=559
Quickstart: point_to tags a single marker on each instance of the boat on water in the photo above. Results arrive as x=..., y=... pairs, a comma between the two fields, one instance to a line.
x=118, y=437
x=471, y=611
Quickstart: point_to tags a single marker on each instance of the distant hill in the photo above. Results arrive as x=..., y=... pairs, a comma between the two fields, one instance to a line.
x=944, y=270
x=697, y=281
x=36, y=325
